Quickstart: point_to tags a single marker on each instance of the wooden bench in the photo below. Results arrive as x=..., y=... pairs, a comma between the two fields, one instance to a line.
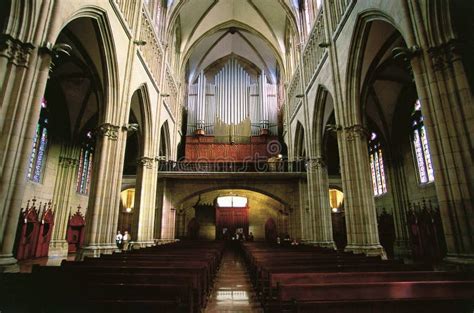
x=350, y=297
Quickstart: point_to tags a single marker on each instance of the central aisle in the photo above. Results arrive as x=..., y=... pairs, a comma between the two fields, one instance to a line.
x=233, y=290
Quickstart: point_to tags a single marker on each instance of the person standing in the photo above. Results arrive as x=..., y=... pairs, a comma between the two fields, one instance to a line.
x=126, y=240
x=119, y=239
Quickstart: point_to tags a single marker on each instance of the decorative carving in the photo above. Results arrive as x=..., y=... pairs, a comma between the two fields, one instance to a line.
x=67, y=162
x=15, y=51
x=146, y=162
x=356, y=131
x=108, y=130
x=438, y=57
x=317, y=163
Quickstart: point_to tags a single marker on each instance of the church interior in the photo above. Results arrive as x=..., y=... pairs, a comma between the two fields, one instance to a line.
x=236, y=156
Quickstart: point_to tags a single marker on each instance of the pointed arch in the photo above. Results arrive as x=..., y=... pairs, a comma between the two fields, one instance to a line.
x=352, y=114
x=299, y=147
x=320, y=118
x=145, y=119
x=110, y=112
x=165, y=141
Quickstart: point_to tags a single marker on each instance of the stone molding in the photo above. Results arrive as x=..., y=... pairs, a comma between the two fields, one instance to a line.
x=444, y=55
x=67, y=162
x=15, y=51
x=316, y=163
x=108, y=130
x=146, y=162
x=356, y=131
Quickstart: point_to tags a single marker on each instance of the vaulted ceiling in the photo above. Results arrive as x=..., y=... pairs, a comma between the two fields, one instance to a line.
x=252, y=29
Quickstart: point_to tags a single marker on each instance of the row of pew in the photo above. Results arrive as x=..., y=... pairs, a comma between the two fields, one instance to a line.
x=310, y=279
x=169, y=278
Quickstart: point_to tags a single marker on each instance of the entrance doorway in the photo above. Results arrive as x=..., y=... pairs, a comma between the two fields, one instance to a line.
x=232, y=217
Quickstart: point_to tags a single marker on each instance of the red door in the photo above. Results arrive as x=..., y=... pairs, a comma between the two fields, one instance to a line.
x=231, y=219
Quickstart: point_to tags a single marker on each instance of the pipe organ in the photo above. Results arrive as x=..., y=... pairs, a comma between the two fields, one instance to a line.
x=232, y=105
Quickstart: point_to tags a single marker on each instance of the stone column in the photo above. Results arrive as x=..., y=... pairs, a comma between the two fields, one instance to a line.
x=361, y=216
x=63, y=188
x=400, y=199
x=318, y=190
x=103, y=207
x=448, y=112
x=145, y=190
x=306, y=218
x=23, y=77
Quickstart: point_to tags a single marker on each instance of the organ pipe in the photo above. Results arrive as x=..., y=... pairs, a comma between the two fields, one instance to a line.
x=233, y=98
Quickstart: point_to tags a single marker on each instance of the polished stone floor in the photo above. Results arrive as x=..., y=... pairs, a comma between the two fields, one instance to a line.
x=232, y=291
x=27, y=265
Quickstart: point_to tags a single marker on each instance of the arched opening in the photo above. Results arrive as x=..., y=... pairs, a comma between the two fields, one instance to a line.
x=164, y=151
x=62, y=162
x=127, y=210
x=224, y=214
x=299, y=147
x=399, y=154
x=4, y=14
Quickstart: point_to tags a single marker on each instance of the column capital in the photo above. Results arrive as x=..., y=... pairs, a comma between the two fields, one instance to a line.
x=108, y=130
x=67, y=162
x=16, y=51
x=356, y=131
x=316, y=163
x=146, y=162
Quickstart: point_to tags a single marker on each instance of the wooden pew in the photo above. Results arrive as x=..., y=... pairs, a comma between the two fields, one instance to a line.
x=369, y=297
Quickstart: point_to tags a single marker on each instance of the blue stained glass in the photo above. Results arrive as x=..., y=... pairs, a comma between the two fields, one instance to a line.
x=84, y=171
x=39, y=146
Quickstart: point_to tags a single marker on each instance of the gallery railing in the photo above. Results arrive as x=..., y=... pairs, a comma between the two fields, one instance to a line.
x=264, y=166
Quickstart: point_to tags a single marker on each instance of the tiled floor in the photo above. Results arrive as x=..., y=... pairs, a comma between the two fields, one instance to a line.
x=233, y=290
x=27, y=265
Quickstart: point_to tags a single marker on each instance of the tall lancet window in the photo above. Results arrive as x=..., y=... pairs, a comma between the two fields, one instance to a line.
x=40, y=144
x=84, y=171
x=376, y=165
x=421, y=147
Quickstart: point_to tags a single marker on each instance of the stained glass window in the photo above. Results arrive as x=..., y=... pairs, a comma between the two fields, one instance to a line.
x=421, y=147
x=84, y=172
x=40, y=144
x=376, y=165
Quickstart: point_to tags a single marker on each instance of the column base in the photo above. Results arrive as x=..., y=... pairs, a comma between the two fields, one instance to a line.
x=95, y=251
x=8, y=264
x=58, y=249
x=368, y=250
x=164, y=241
x=462, y=262
x=401, y=249
x=325, y=244
x=143, y=244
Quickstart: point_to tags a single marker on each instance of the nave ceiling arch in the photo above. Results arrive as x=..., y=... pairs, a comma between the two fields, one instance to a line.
x=212, y=29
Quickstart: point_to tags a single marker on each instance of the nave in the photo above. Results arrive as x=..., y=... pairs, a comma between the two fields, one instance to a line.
x=232, y=276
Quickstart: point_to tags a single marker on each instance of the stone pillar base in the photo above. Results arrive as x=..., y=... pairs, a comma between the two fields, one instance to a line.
x=8, y=264
x=368, y=250
x=460, y=262
x=164, y=241
x=325, y=244
x=58, y=248
x=401, y=249
x=143, y=244
x=95, y=251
